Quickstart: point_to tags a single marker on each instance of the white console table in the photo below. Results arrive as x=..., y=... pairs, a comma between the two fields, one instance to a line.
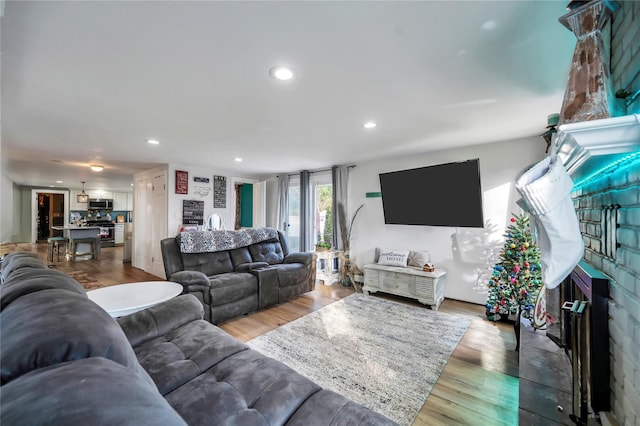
x=427, y=287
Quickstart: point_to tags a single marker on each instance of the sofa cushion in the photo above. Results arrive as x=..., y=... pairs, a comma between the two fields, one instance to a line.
x=184, y=353
x=147, y=324
x=291, y=274
x=53, y=326
x=246, y=388
x=270, y=252
x=18, y=260
x=212, y=263
x=227, y=288
x=330, y=405
x=29, y=280
x=240, y=256
x=93, y=391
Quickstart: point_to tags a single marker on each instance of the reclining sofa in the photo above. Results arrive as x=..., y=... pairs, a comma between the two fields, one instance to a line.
x=233, y=273
x=65, y=361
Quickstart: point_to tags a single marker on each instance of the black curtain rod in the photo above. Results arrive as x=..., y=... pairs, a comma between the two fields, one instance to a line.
x=320, y=171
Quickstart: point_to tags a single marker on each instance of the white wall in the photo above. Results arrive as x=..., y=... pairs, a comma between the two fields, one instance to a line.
x=175, y=200
x=499, y=164
x=7, y=229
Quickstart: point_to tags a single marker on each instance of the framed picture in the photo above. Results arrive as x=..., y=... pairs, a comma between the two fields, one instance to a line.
x=219, y=192
x=182, y=182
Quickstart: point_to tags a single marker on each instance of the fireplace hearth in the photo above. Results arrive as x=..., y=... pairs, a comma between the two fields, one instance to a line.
x=580, y=306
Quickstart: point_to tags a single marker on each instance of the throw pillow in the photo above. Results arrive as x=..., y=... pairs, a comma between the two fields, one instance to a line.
x=418, y=258
x=391, y=257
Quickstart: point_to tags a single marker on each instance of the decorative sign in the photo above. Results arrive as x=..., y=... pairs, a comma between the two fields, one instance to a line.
x=182, y=182
x=192, y=212
x=219, y=192
x=201, y=179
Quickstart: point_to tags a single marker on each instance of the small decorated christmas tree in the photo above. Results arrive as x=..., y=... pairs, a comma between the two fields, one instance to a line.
x=516, y=278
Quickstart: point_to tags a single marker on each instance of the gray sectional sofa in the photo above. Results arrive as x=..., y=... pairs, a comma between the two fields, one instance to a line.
x=236, y=272
x=64, y=360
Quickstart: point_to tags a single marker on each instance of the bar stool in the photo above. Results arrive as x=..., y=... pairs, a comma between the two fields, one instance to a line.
x=54, y=245
x=73, y=242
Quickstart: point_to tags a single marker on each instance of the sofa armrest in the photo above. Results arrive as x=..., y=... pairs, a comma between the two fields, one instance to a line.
x=193, y=282
x=306, y=258
x=250, y=266
x=160, y=319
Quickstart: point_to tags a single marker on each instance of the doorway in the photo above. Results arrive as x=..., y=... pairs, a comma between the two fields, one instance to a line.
x=50, y=213
x=60, y=216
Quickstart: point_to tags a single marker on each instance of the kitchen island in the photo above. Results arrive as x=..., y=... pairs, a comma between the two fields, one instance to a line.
x=81, y=232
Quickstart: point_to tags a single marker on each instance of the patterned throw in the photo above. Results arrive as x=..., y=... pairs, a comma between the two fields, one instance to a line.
x=210, y=241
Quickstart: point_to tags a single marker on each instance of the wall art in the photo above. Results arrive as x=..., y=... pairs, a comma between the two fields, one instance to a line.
x=182, y=182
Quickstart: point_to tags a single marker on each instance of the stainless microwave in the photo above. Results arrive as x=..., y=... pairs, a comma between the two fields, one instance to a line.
x=100, y=204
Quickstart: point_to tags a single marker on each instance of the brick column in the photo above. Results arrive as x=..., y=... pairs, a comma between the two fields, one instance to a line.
x=588, y=89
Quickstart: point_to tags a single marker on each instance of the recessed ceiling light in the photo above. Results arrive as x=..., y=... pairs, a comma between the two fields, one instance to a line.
x=490, y=25
x=369, y=125
x=58, y=181
x=237, y=159
x=281, y=73
x=96, y=167
x=153, y=142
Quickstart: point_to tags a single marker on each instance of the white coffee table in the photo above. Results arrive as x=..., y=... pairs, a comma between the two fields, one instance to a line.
x=125, y=299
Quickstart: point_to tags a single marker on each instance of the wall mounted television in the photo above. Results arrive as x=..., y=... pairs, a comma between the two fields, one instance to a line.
x=442, y=195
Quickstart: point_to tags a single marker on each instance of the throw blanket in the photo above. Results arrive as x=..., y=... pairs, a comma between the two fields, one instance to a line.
x=210, y=241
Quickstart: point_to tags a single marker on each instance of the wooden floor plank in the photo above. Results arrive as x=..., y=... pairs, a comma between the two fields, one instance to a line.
x=478, y=386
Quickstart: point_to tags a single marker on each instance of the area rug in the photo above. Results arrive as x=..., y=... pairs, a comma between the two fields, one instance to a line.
x=382, y=354
x=88, y=282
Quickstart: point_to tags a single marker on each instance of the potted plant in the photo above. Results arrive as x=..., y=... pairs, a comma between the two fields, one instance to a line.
x=323, y=246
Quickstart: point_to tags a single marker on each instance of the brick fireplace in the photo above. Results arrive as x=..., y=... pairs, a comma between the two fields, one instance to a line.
x=608, y=207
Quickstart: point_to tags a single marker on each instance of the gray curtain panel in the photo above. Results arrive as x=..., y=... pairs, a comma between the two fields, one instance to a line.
x=282, y=214
x=306, y=239
x=340, y=181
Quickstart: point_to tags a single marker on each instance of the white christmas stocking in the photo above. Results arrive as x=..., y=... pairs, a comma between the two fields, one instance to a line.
x=546, y=188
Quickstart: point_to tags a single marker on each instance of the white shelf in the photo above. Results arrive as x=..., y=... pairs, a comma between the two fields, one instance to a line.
x=579, y=141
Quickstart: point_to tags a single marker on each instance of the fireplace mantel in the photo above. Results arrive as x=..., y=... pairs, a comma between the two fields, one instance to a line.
x=579, y=141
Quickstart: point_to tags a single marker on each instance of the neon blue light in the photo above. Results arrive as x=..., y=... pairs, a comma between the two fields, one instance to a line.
x=618, y=165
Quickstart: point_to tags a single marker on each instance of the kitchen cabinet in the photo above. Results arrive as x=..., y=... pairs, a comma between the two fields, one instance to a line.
x=97, y=193
x=118, y=233
x=122, y=201
x=73, y=203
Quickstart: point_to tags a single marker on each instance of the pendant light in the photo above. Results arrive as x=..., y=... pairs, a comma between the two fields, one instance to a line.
x=82, y=197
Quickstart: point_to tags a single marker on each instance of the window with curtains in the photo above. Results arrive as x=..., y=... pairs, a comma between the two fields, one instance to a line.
x=321, y=190
x=320, y=220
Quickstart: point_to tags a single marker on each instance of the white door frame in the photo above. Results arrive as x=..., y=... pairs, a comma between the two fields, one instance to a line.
x=34, y=209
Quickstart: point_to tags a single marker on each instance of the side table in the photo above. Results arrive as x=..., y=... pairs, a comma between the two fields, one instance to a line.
x=328, y=266
x=124, y=299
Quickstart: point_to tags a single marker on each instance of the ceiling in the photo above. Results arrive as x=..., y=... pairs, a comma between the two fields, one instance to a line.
x=90, y=82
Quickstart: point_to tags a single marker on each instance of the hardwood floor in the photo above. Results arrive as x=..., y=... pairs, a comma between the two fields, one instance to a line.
x=478, y=386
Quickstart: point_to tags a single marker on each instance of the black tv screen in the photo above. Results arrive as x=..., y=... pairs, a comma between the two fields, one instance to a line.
x=441, y=195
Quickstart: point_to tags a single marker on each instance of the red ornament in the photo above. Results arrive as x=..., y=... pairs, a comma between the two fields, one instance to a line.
x=526, y=264
x=513, y=219
x=523, y=248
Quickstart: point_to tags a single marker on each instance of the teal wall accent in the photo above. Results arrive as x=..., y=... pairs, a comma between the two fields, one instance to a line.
x=246, y=205
x=374, y=194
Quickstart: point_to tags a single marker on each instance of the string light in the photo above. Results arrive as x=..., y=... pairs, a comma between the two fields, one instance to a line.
x=622, y=163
